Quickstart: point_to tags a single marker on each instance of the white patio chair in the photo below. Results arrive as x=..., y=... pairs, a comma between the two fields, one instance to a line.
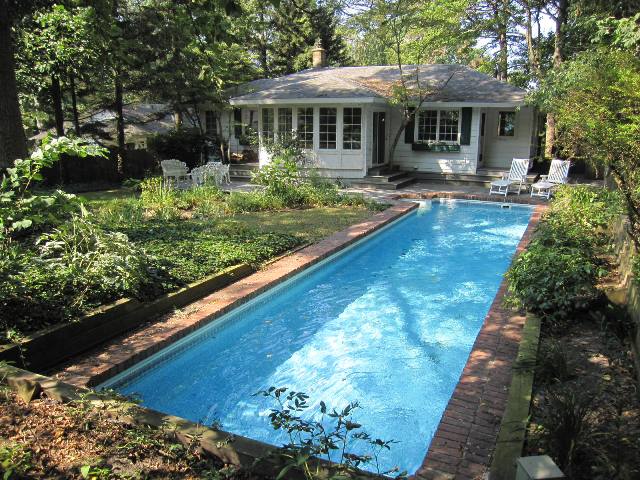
x=198, y=176
x=558, y=175
x=224, y=170
x=175, y=173
x=213, y=172
x=517, y=177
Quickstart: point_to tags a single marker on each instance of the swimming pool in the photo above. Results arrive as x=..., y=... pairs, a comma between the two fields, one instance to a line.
x=389, y=322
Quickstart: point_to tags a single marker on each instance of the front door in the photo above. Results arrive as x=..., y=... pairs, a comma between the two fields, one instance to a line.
x=379, y=134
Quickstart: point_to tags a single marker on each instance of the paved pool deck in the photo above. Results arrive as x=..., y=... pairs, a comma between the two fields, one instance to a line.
x=464, y=442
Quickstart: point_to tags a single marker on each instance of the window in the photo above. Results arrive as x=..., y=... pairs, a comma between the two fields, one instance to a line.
x=267, y=124
x=428, y=125
x=439, y=125
x=237, y=122
x=305, y=127
x=506, y=124
x=328, y=118
x=352, y=121
x=285, y=122
x=210, y=122
x=448, y=131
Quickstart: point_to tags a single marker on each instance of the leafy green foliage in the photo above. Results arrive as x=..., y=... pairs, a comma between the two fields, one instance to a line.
x=331, y=436
x=15, y=460
x=75, y=267
x=556, y=276
x=24, y=212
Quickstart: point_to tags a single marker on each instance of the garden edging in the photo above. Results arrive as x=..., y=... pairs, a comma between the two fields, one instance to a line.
x=513, y=427
x=53, y=345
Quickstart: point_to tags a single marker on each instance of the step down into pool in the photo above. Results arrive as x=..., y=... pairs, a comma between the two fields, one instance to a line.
x=384, y=179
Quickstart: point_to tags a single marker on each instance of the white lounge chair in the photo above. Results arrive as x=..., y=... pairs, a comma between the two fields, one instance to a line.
x=175, y=173
x=517, y=177
x=558, y=175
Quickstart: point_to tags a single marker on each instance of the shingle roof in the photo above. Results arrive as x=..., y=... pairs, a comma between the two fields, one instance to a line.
x=451, y=83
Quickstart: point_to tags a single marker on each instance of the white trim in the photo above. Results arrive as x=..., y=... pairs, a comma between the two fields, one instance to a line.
x=367, y=100
x=307, y=101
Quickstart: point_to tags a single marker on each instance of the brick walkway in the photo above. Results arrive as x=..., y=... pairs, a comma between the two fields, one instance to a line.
x=463, y=445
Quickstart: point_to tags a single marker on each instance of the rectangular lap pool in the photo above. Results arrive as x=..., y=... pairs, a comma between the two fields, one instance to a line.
x=389, y=323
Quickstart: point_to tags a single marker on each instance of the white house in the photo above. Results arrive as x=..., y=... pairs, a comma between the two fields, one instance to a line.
x=345, y=119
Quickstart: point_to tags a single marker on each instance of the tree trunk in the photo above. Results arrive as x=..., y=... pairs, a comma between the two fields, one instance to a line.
x=503, y=52
x=74, y=104
x=13, y=141
x=118, y=101
x=558, y=58
x=56, y=99
x=119, y=122
x=396, y=138
x=534, y=65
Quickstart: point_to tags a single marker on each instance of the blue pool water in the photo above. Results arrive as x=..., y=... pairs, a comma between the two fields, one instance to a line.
x=389, y=323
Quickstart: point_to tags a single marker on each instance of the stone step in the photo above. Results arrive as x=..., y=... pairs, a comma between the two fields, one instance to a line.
x=395, y=184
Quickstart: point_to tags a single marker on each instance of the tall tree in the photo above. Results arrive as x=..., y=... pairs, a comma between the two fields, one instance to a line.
x=56, y=46
x=13, y=141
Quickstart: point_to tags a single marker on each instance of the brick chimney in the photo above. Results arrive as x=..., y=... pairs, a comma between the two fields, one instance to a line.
x=318, y=55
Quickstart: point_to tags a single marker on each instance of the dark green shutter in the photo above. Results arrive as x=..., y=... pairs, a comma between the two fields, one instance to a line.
x=465, y=133
x=408, y=130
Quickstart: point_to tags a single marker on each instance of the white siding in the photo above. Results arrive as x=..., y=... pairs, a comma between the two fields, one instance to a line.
x=500, y=151
x=464, y=161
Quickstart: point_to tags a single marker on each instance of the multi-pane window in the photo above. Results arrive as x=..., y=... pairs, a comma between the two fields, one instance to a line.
x=449, y=121
x=351, y=130
x=210, y=122
x=237, y=122
x=267, y=124
x=439, y=125
x=305, y=127
x=328, y=120
x=285, y=122
x=506, y=124
x=428, y=125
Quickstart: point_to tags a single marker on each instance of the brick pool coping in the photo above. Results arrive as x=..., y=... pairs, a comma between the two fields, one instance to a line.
x=464, y=442
x=465, y=439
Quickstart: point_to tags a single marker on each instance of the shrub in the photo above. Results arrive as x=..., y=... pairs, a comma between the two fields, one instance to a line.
x=557, y=275
x=553, y=282
x=76, y=267
x=330, y=436
x=563, y=423
x=553, y=363
x=23, y=212
x=240, y=202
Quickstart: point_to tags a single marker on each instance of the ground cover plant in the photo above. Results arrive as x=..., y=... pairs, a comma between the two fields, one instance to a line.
x=63, y=255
